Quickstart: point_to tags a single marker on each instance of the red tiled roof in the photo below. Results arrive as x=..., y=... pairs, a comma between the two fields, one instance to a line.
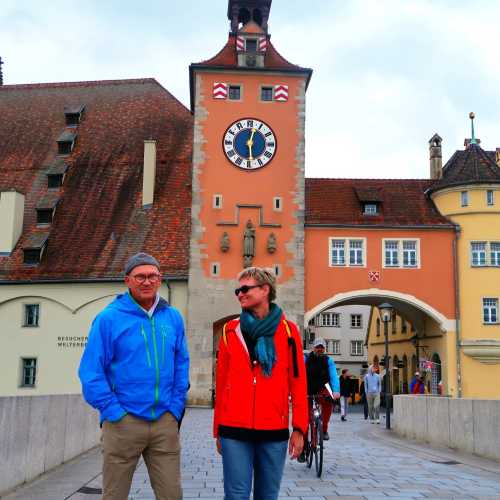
x=100, y=221
x=228, y=58
x=403, y=203
x=473, y=165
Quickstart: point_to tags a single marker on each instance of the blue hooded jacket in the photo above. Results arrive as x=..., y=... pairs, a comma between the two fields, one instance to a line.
x=134, y=363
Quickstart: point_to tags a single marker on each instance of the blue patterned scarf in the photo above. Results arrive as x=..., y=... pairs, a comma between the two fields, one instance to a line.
x=261, y=331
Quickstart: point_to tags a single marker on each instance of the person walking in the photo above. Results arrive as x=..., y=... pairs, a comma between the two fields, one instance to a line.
x=345, y=393
x=260, y=366
x=135, y=371
x=417, y=385
x=362, y=393
x=321, y=370
x=373, y=386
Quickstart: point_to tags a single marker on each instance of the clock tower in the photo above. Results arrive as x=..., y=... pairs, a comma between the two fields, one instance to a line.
x=248, y=181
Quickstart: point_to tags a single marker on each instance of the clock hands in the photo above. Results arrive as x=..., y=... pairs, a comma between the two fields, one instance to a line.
x=250, y=144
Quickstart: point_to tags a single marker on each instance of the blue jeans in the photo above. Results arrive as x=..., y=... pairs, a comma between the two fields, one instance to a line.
x=243, y=459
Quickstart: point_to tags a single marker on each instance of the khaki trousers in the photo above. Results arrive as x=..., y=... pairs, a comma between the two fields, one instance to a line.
x=158, y=442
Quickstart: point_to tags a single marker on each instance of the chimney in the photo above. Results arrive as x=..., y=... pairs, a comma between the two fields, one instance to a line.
x=11, y=220
x=1, y=73
x=149, y=174
x=436, y=157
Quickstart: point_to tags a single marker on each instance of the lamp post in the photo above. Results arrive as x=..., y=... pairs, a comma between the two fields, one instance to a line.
x=386, y=313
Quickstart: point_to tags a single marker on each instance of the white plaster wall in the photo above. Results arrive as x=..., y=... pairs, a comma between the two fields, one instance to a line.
x=66, y=313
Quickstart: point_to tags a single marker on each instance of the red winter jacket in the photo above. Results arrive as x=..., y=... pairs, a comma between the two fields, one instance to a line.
x=245, y=398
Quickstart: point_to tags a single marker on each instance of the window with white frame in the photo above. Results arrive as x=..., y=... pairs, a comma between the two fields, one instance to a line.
x=495, y=253
x=277, y=204
x=370, y=209
x=478, y=253
x=356, y=348
x=464, y=198
x=490, y=197
x=401, y=253
x=355, y=252
x=356, y=321
x=391, y=253
x=490, y=311
x=31, y=315
x=409, y=253
x=329, y=319
x=334, y=346
x=353, y=248
x=337, y=252
x=28, y=372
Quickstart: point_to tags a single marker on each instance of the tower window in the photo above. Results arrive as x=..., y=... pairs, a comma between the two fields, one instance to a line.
x=251, y=45
x=277, y=270
x=266, y=94
x=490, y=197
x=234, y=92
x=277, y=204
x=464, y=198
x=215, y=269
x=217, y=201
x=370, y=209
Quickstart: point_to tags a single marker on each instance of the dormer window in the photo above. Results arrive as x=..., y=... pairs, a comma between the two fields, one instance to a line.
x=34, y=248
x=251, y=45
x=66, y=143
x=54, y=181
x=45, y=209
x=370, y=209
x=73, y=115
x=44, y=215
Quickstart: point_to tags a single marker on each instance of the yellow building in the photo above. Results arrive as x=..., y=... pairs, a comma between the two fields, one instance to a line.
x=467, y=191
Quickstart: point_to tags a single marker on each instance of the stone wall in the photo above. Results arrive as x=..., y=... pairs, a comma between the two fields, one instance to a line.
x=468, y=425
x=38, y=433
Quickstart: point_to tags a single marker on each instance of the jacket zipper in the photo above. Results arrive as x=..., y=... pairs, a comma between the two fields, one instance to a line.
x=157, y=369
x=163, y=347
x=147, y=345
x=254, y=398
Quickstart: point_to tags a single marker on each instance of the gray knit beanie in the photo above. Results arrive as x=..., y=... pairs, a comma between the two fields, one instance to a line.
x=140, y=259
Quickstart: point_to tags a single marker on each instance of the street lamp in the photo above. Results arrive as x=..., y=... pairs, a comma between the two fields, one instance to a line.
x=386, y=313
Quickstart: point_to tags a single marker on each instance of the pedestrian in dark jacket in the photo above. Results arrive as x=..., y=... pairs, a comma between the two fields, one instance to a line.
x=362, y=393
x=135, y=370
x=345, y=393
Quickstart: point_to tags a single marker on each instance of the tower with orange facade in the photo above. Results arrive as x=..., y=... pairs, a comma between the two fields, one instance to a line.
x=248, y=180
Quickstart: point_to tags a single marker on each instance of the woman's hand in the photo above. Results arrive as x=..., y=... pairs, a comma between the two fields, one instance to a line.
x=296, y=444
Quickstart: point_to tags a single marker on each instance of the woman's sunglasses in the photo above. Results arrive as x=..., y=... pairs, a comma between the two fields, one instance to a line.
x=245, y=288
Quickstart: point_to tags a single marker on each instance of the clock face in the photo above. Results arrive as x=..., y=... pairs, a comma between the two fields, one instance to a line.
x=249, y=144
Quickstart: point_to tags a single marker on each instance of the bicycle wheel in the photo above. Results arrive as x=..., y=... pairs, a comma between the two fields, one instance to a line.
x=311, y=435
x=318, y=455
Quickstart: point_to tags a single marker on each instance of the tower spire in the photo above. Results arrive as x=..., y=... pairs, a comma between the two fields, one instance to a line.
x=1, y=73
x=473, y=136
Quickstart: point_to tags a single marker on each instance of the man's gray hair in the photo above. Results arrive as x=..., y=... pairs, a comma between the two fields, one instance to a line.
x=261, y=276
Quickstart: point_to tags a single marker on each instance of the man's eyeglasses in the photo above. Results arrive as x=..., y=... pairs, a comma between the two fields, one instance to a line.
x=152, y=278
x=245, y=288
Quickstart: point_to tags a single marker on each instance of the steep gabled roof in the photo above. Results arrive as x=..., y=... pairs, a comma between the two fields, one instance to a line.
x=403, y=203
x=473, y=165
x=100, y=220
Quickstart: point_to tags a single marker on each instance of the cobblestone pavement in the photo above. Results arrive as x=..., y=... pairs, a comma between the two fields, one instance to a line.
x=362, y=461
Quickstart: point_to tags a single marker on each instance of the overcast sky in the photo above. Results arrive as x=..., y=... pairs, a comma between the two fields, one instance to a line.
x=388, y=74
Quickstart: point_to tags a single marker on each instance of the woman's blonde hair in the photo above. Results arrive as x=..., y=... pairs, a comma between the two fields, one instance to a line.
x=261, y=276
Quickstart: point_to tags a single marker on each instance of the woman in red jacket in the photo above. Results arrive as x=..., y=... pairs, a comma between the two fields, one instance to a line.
x=260, y=365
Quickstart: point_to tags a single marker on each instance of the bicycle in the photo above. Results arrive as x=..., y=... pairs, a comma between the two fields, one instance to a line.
x=314, y=441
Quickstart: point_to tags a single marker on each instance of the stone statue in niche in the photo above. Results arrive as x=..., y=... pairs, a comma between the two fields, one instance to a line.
x=248, y=244
x=271, y=243
x=224, y=242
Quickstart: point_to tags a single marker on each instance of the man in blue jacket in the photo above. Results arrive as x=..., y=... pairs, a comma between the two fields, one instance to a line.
x=135, y=371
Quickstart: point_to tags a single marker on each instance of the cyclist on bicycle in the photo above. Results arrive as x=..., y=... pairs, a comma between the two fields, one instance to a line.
x=321, y=369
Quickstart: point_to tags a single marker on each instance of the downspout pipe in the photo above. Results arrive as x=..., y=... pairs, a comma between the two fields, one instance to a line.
x=457, y=310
